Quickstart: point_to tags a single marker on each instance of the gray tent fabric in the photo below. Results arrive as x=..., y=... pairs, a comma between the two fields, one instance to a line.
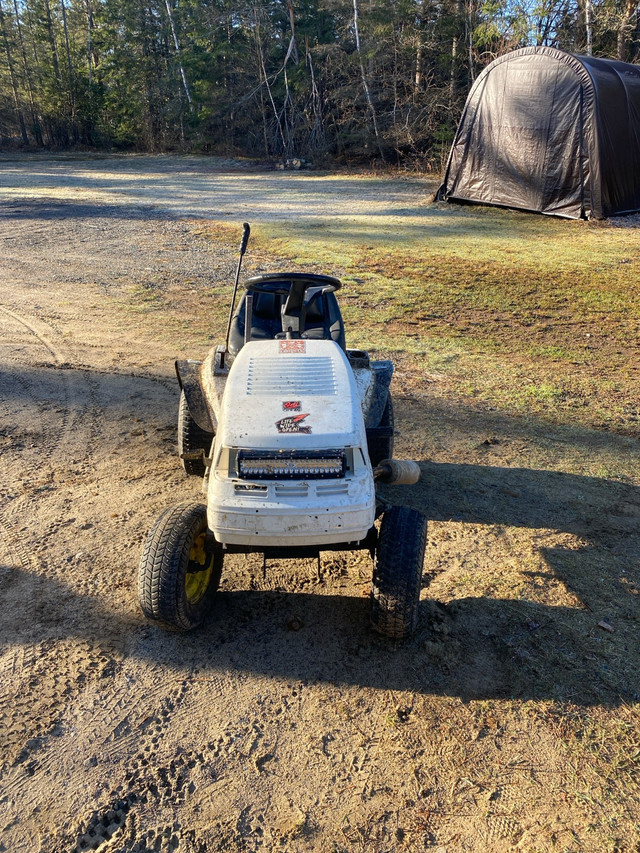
x=552, y=132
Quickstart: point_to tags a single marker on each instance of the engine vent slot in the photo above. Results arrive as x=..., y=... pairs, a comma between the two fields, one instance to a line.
x=292, y=375
x=291, y=490
x=251, y=490
x=341, y=488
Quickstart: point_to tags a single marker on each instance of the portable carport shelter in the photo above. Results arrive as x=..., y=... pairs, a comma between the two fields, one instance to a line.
x=552, y=132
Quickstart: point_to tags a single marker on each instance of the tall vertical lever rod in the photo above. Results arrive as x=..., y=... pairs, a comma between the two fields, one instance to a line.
x=246, y=230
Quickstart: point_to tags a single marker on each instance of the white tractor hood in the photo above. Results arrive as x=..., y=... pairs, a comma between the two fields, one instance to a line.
x=291, y=394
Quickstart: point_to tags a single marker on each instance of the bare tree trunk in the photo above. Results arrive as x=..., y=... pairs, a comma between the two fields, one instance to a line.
x=89, y=41
x=452, y=72
x=365, y=85
x=177, y=47
x=35, y=119
x=72, y=85
x=588, y=17
x=396, y=75
x=293, y=47
x=264, y=80
x=151, y=122
x=66, y=40
x=52, y=43
x=625, y=28
x=417, y=80
x=288, y=125
x=471, y=24
x=454, y=58
x=59, y=131
x=265, y=136
x=318, y=138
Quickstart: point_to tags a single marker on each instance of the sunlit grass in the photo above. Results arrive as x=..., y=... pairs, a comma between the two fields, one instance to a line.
x=473, y=233
x=551, y=306
x=527, y=313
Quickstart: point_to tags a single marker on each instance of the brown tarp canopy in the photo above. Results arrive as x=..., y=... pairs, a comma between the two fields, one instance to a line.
x=551, y=132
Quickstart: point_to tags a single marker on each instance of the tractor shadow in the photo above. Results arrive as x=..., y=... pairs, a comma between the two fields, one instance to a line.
x=471, y=647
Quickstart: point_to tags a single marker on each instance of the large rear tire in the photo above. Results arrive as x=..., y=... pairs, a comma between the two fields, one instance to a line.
x=180, y=568
x=191, y=439
x=397, y=573
x=382, y=447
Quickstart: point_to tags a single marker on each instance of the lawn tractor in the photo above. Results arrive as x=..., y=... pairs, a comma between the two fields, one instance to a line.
x=289, y=431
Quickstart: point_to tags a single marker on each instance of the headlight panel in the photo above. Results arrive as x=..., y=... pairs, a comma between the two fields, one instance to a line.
x=291, y=464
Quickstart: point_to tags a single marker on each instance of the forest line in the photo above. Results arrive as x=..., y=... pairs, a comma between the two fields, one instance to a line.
x=351, y=81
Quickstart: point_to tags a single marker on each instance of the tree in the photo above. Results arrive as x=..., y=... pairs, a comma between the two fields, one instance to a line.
x=380, y=80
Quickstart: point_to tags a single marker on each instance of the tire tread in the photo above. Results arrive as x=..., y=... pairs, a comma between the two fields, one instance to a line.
x=191, y=437
x=165, y=556
x=397, y=575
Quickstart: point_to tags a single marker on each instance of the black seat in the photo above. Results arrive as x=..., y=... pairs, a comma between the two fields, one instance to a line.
x=323, y=319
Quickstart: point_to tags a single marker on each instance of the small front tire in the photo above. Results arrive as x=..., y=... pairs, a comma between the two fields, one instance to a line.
x=180, y=568
x=397, y=573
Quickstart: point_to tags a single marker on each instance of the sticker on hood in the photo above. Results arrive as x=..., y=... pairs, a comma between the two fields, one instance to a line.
x=293, y=346
x=293, y=424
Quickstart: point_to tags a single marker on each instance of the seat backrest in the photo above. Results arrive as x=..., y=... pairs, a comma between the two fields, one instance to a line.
x=323, y=319
x=316, y=309
x=266, y=306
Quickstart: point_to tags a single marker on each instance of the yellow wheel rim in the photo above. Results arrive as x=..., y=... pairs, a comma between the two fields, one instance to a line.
x=196, y=581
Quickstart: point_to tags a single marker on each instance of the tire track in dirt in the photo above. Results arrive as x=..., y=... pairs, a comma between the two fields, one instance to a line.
x=64, y=438
x=165, y=383
x=128, y=734
x=41, y=678
x=153, y=781
x=81, y=389
x=44, y=680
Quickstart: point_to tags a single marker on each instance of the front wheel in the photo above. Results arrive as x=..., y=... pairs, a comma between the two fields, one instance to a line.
x=180, y=568
x=397, y=572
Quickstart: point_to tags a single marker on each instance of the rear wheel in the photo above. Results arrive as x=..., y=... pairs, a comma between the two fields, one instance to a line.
x=191, y=439
x=180, y=568
x=381, y=447
x=397, y=572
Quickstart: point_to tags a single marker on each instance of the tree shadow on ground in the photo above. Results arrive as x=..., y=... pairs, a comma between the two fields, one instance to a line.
x=53, y=210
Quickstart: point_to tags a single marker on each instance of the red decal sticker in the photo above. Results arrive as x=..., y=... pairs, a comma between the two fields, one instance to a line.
x=291, y=406
x=293, y=346
x=293, y=424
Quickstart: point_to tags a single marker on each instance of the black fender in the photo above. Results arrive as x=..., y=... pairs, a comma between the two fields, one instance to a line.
x=189, y=377
x=382, y=373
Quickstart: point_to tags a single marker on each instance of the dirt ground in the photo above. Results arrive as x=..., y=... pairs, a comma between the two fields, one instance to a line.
x=283, y=724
